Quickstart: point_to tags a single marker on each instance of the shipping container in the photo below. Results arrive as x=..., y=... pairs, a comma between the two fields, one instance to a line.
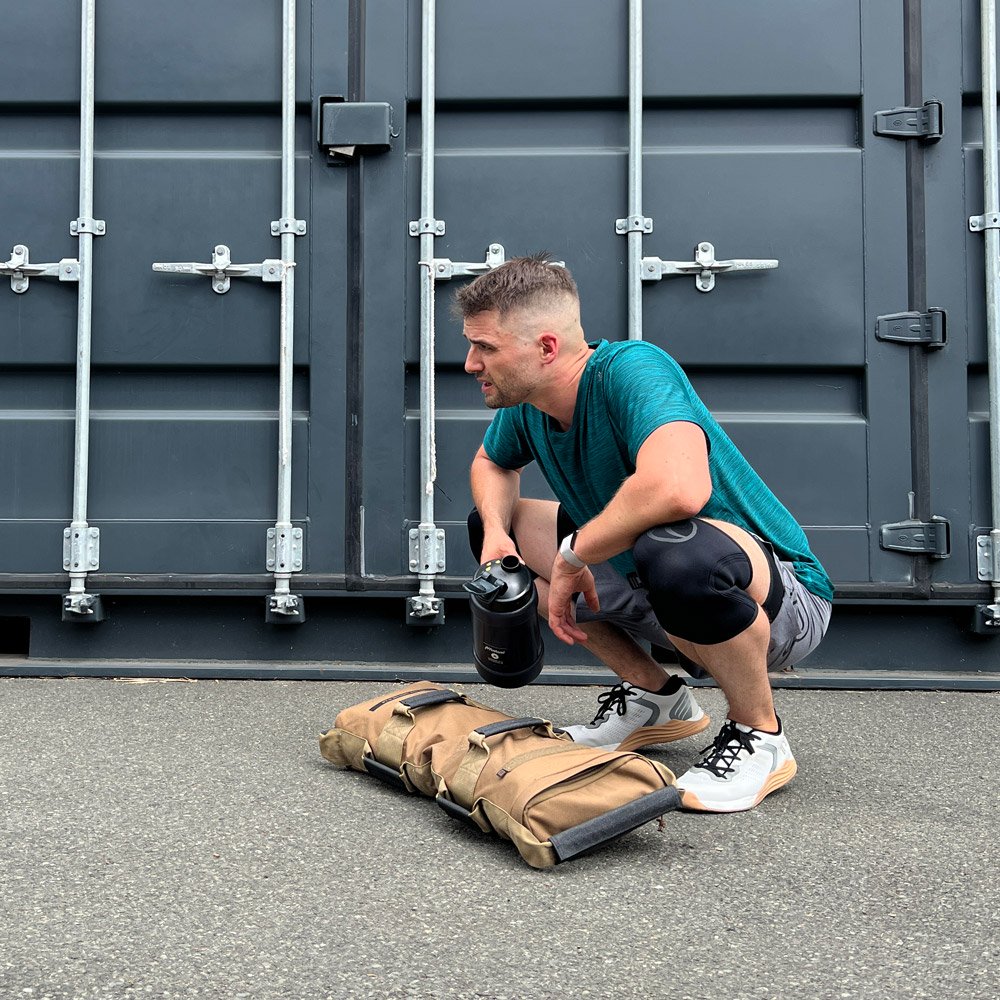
x=235, y=426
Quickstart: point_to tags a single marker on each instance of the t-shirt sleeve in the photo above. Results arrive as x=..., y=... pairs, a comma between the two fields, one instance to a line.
x=645, y=390
x=505, y=442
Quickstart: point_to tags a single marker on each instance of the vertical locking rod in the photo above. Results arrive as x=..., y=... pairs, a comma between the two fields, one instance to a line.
x=77, y=604
x=426, y=607
x=635, y=169
x=283, y=606
x=991, y=206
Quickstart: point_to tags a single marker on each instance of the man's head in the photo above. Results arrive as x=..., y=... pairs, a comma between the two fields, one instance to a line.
x=519, y=319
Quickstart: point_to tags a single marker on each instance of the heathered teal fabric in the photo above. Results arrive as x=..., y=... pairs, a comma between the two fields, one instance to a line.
x=627, y=390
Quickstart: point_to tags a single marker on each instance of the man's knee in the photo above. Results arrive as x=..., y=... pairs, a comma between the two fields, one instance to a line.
x=696, y=576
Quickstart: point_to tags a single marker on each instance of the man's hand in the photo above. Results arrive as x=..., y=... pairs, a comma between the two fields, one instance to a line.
x=564, y=582
x=497, y=545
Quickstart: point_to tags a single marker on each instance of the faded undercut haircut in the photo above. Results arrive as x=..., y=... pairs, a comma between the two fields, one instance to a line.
x=520, y=283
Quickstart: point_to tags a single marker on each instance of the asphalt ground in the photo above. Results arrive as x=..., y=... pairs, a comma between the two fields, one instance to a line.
x=186, y=839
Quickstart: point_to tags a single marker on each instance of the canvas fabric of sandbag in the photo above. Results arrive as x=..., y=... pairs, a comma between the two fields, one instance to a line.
x=397, y=729
x=531, y=783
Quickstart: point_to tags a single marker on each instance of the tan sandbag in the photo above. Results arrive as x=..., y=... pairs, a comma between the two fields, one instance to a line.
x=553, y=798
x=391, y=735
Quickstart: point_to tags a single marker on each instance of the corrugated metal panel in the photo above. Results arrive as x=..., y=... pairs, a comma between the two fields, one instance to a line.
x=757, y=138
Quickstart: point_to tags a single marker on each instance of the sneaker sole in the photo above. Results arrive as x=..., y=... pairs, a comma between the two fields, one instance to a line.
x=676, y=730
x=777, y=779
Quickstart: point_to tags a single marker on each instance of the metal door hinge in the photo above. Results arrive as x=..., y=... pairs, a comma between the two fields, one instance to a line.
x=915, y=537
x=925, y=122
x=927, y=328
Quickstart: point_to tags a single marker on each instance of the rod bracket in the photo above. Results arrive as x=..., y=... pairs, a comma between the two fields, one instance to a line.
x=988, y=556
x=81, y=549
x=297, y=227
x=633, y=224
x=85, y=609
x=423, y=611
x=420, y=227
x=284, y=609
x=986, y=619
x=980, y=223
x=427, y=549
x=284, y=550
x=96, y=227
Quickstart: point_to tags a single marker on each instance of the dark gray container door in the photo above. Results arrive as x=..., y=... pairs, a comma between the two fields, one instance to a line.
x=185, y=389
x=758, y=140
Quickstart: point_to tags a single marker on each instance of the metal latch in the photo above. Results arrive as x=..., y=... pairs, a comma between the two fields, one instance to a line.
x=222, y=269
x=21, y=271
x=445, y=269
x=927, y=328
x=347, y=129
x=931, y=537
x=703, y=268
x=926, y=122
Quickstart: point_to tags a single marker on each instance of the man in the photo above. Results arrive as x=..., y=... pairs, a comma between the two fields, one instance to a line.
x=663, y=529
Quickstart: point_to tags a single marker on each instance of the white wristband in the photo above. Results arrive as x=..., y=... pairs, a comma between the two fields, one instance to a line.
x=566, y=551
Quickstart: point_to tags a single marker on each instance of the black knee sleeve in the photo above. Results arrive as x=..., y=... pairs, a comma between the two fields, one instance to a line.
x=696, y=576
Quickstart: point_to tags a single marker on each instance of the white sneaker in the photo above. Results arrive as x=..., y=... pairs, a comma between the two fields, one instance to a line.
x=630, y=717
x=737, y=770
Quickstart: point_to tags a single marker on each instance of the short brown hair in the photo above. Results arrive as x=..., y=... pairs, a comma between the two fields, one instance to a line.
x=520, y=283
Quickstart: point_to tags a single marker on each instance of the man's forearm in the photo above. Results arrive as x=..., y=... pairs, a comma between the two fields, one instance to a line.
x=495, y=492
x=638, y=506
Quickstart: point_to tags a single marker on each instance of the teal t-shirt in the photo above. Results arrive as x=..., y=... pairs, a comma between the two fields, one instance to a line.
x=628, y=389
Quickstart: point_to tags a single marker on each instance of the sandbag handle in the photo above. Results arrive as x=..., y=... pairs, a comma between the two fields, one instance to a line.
x=507, y=726
x=455, y=811
x=429, y=698
x=599, y=830
x=384, y=773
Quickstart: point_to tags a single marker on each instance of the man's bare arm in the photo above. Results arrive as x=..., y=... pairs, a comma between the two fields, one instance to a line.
x=671, y=482
x=495, y=492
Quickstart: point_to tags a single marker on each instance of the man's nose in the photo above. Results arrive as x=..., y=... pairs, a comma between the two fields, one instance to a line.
x=472, y=362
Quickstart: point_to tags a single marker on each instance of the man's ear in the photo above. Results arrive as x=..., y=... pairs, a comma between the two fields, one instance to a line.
x=548, y=347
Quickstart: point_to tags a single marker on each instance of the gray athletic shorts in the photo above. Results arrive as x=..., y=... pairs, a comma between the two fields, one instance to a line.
x=796, y=631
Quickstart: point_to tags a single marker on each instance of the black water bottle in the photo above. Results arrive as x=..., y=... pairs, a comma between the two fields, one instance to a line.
x=506, y=639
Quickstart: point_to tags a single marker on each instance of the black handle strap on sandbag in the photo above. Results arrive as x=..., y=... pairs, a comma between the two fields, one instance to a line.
x=431, y=698
x=384, y=773
x=455, y=811
x=507, y=726
x=597, y=831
